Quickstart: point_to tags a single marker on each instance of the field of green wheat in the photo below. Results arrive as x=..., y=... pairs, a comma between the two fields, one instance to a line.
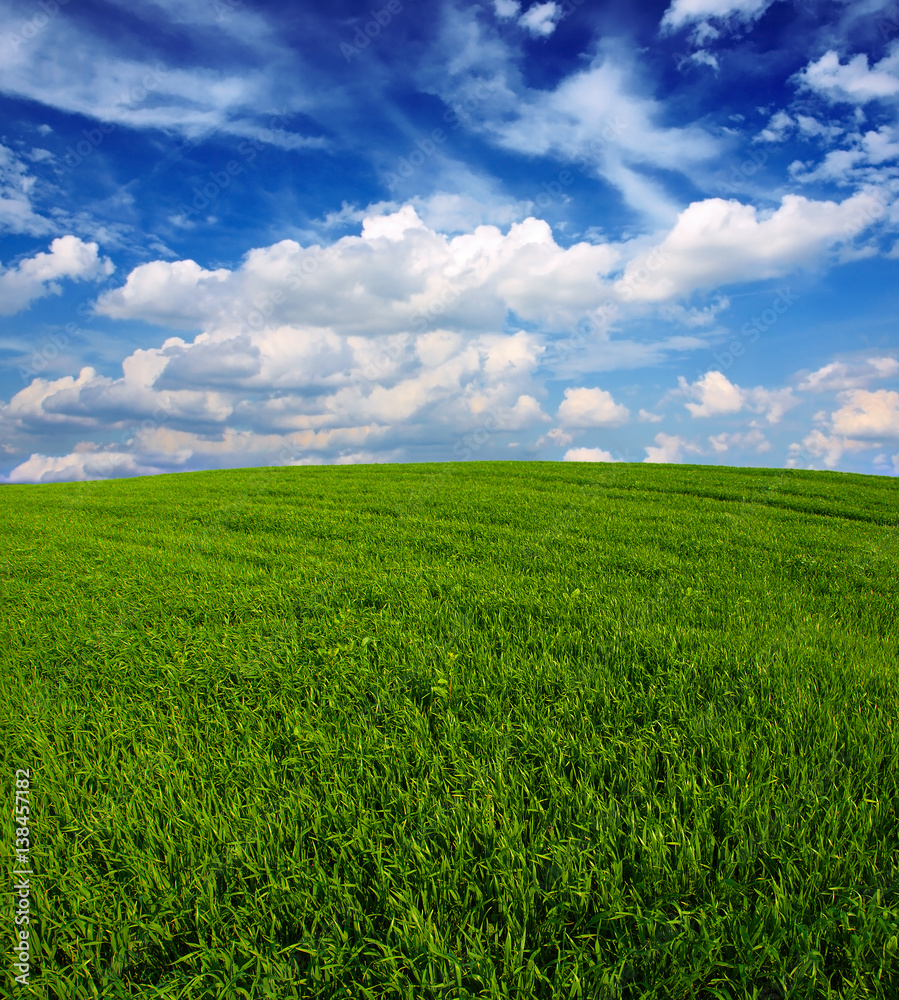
x=499, y=730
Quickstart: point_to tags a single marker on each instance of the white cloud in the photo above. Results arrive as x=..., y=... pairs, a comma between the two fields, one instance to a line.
x=598, y=116
x=853, y=82
x=541, y=19
x=863, y=415
x=694, y=317
x=79, y=466
x=17, y=214
x=371, y=346
x=868, y=414
x=830, y=448
x=650, y=418
x=380, y=342
x=777, y=129
x=452, y=213
x=781, y=126
x=669, y=448
x=837, y=166
x=682, y=12
x=588, y=455
x=557, y=436
x=180, y=294
x=585, y=407
x=866, y=161
x=881, y=145
x=841, y=375
x=809, y=126
x=35, y=277
x=705, y=58
x=716, y=242
x=753, y=439
x=717, y=396
x=68, y=66
x=506, y=8
x=398, y=276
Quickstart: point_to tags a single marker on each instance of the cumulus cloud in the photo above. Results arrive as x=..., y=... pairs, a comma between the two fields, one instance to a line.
x=684, y=12
x=715, y=395
x=371, y=346
x=399, y=275
x=506, y=8
x=35, y=277
x=842, y=375
x=867, y=414
x=540, y=20
x=717, y=242
x=586, y=407
x=853, y=82
x=379, y=341
x=865, y=160
x=705, y=58
x=179, y=294
x=753, y=439
x=838, y=167
x=778, y=128
x=669, y=448
x=861, y=417
x=588, y=455
x=830, y=448
x=557, y=436
x=87, y=462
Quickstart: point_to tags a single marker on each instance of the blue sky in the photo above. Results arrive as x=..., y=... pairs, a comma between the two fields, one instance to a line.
x=239, y=233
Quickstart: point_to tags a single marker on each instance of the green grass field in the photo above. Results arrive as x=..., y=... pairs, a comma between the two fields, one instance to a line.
x=470, y=730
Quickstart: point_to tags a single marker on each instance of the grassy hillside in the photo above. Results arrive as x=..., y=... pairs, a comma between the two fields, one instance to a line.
x=472, y=730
